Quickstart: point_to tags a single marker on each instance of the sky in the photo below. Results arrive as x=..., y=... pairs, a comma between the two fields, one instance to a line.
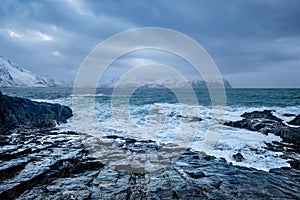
x=254, y=43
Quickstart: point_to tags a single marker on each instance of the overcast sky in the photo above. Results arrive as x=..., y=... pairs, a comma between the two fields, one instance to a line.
x=255, y=43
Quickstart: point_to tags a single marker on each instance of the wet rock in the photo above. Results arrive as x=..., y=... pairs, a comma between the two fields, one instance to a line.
x=289, y=151
x=261, y=125
x=295, y=163
x=265, y=122
x=190, y=118
x=266, y=114
x=195, y=174
x=288, y=134
x=16, y=112
x=4, y=140
x=88, y=163
x=288, y=115
x=255, y=121
x=8, y=169
x=295, y=121
x=238, y=157
x=61, y=168
x=195, y=119
x=25, y=163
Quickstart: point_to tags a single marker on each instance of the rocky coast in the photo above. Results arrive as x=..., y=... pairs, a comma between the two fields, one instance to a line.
x=266, y=122
x=37, y=161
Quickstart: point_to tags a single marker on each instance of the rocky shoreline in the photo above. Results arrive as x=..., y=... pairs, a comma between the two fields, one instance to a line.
x=40, y=162
x=16, y=112
x=46, y=164
x=266, y=123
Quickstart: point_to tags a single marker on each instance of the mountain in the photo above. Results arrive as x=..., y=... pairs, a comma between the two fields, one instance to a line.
x=200, y=84
x=167, y=82
x=12, y=75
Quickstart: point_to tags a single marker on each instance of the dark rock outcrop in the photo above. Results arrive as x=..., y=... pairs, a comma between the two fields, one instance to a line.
x=265, y=122
x=58, y=166
x=295, y=121
x=264, y=126
x=16, y=112
x=266, y=114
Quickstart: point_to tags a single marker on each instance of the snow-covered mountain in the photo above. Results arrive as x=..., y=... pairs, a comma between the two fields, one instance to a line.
x=12, y=75
x=166, y=82
x=200, y=84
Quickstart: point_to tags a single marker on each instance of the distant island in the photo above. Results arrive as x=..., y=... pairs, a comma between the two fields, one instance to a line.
x=165, y=83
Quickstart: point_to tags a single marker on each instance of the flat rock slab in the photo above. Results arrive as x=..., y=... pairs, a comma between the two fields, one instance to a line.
x=62, y=168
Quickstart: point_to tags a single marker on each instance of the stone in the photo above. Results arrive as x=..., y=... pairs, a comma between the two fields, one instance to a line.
x=295, y=121
x=267, y=114
x=189, y=118
x=238, y=157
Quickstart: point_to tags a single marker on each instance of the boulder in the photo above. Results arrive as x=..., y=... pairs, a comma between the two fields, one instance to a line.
x=187, y=118
x=295, y=121
x=238, y=157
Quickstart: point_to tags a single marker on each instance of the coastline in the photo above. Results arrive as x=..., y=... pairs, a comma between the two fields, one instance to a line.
x=43, y=162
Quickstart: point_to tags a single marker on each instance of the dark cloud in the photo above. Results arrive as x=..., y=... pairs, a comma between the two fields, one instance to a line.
x=252, y=42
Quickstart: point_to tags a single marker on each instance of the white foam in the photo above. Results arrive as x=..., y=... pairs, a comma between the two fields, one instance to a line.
x=251, y=145
x=232, y=140
x=88, y=95
x=66, y=101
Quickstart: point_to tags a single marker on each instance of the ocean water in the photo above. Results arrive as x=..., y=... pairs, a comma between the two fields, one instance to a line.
x=153, y=114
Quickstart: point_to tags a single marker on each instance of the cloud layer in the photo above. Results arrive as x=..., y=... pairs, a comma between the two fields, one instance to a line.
x=254, y=43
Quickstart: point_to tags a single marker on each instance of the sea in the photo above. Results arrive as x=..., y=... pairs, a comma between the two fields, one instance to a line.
x=162, y=107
